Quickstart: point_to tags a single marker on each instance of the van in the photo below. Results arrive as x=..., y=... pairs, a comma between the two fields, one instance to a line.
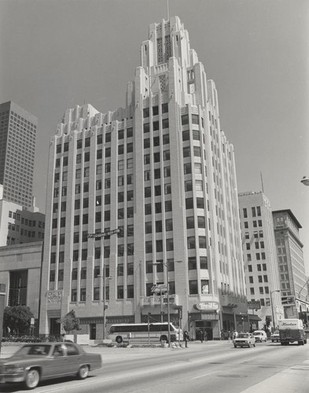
x=260, y=336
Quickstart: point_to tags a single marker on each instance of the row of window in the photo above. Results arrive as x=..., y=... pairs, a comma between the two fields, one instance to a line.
x=256, y=244
x=262, y=290
x=259, y=267
x=83, y=143
x=255, y=211
x=255, y=224
x=155, y=110
x=193, y=290
x=260, y=278
x=258, y=256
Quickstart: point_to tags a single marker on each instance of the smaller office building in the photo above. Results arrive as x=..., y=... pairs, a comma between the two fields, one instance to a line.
x=20, y=272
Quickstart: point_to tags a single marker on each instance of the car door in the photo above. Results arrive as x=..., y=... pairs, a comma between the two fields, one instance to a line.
x=74, y=356
x=58, y=364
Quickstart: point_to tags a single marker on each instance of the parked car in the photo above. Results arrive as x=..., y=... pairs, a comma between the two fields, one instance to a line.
x=33, y=363
x=275, y=337
x=244, y=340
x=260, y=336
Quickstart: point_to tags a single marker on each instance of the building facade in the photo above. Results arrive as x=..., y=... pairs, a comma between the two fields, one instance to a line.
x=19, y=225
x=161, y=171
x=293, y=280
x=261, y=267
x=17, y=150
x=20, y=272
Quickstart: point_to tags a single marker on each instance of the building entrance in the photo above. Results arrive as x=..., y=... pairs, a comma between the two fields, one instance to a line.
x=203, y=328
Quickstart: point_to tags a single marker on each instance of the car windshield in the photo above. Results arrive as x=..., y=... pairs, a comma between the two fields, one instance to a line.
x=34, y=350
x=243, y=335
x=257, y=333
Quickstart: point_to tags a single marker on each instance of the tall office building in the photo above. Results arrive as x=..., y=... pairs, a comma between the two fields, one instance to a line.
x=261, y=267
x=293, y=281
x=17, y=150
x=163, y=172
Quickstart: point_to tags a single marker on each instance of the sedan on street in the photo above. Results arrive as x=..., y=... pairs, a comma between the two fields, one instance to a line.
x=33, y=363
x=244, y=340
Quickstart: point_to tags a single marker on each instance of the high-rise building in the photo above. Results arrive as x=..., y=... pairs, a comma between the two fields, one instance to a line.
x=162, y=171
x=261, y=267
x=17, y=149
x=293, y=281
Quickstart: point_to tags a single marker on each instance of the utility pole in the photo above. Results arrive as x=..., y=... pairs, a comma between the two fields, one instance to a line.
x=102, y=236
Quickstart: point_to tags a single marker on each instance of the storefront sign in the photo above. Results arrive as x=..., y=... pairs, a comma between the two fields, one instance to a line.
x=207, y=306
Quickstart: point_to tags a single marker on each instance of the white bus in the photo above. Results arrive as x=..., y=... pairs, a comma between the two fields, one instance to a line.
x=143, y=332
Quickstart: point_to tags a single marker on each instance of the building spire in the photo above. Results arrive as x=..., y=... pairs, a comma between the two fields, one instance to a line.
x=168, y=9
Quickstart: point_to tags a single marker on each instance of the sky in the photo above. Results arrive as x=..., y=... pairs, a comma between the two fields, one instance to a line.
x=55, y=54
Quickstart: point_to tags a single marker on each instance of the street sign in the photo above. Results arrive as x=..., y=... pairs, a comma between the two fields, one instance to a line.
x=99, y=235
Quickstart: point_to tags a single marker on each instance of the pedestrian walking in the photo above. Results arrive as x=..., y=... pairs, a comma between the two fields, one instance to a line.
x=186, y=338
x=202, y=336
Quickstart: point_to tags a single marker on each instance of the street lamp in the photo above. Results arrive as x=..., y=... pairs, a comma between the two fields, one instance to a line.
x=272, y=306
x=305, y=181
x=96, y=236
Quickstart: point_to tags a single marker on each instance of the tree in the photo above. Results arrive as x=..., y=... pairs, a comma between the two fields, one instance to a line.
x=17, y=320
x=70, y=322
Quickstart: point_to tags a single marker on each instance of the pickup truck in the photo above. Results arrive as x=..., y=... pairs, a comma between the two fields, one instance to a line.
x=292, y=330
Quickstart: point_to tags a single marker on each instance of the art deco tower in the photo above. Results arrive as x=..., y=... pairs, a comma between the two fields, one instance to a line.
x=162, y=170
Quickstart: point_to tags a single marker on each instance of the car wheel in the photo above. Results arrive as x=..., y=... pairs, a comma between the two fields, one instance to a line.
x=83, y=372
x=118, y=339
x=32, y=378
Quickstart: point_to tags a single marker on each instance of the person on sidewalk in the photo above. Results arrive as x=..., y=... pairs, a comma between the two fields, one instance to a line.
x=186, y=338
x=202, y=336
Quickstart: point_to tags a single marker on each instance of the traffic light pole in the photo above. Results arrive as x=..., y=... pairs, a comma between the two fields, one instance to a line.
x=102, y=236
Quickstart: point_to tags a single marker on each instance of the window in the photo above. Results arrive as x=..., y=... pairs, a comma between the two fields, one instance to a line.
x=169, y=245
x=120, y=293
x=187, y=168
x=148, y=247
x=245, y=214
x=202, y=242
x=188, y=185
x=203, y=263
x=155, y=110
x=184, y=119
x=83, y=273
x=147, y=208
x=193, y=289
x=165, y=123
x=191, y=242
x=83, y=294
x=190, y=222
x=168, y=224
x=96, y=293
x=192, y=263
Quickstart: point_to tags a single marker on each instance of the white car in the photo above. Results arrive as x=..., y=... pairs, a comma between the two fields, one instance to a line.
x=260, y=335
x=244, y=340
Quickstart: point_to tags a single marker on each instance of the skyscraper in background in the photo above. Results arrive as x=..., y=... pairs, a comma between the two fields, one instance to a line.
x=261, y=266
x=163, y=172
x=17, y=150
x=293, y=280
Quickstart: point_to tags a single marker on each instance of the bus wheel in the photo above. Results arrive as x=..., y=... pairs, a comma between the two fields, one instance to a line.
x=163, y=338
x=118, y=339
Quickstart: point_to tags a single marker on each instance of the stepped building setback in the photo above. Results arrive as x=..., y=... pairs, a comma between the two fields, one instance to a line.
x=163, y=172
